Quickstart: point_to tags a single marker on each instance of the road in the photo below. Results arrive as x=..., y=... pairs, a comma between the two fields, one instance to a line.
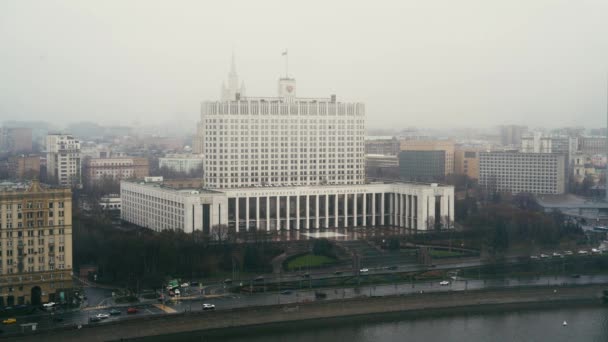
x=228, y=301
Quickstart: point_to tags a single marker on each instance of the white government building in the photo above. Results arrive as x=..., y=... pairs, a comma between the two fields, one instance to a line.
x=284, y=163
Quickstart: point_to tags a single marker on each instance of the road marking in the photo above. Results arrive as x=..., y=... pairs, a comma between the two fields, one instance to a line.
x=165, y=308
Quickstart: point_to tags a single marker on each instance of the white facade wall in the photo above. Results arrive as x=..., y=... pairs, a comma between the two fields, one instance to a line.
x=271, y=142
x=410, y=206
x=536, y=173
x=185, y=164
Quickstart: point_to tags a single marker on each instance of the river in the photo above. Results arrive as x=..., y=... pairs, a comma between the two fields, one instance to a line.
x=583, y=324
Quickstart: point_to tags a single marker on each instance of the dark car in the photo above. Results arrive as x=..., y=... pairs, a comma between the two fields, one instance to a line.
x=306, y=275
x=194, y=283
x=338, y=272
x=94, y=319
x=115, y=312
x=229, y=281
x=132, y=310
x=286, y=292
x=260, y=278
x=392, y=267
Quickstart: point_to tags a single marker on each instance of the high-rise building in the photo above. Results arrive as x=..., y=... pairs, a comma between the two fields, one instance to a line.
x=593, y=145
x=36, y=244
x=282, y=140
x=285, y=163
x=63, y=159
x=514, y=172
x=422, y=166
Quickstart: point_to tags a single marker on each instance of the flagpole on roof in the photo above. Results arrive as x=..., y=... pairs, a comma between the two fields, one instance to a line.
x=286, y=63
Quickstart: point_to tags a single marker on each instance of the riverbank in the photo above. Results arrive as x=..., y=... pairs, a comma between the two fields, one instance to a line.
x=463, y=301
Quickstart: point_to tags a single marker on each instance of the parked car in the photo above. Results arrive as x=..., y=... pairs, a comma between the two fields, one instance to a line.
x=9, y=321
x=595, y=251
x=393, y=267
x=194, y=283
x=115, y=312
x=583, y=252
x=338, y=272
x=286, y=292
x=364, y=270
x=259, y=278
x=177, y=292
x=132, y=310
x=94, y=319
x=229, y=281
x=306, y=275
x=208, y=307
x=575, y=276
x=102, y=315
x=534, y=257
x=184, y=285
x=544, y=256
x=568, y=253
x=444, y=283
x=557, y=255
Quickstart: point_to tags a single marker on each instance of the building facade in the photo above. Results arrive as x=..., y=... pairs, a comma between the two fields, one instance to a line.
x=513, y=172
x=283, y=141
x=15, y=140
x=98, y=169
x=466, y=162
x=447, y=146
x=510, y=135
x=387, y=147
x=63, y=160
x=284, y=163
x=183, y=163
x=36, y=244
x=415, y=206
x=593, y=145
x=24, y=167
x=422, y=166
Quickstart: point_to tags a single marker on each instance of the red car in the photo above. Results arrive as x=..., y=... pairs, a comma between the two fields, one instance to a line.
x=131, y=310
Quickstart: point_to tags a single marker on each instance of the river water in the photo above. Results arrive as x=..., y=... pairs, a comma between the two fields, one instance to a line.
x=583, y=324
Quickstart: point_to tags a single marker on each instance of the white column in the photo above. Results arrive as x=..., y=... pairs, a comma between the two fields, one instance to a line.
x=431, y=210
x=287, y=218
x=345, y=210
x=316, y=211
x=246, y=213
x=402, y=210
x=395, y=208
x=373, y=209
x=364, y=209
x=382, y=209
x=407, y=211
x=278, y=212
x=336, y=210
x=268, y=213
x=298, y=212
x=355, y=213
x=326, y=211
x=236, y=216
x=307, y=223
x=257, y=213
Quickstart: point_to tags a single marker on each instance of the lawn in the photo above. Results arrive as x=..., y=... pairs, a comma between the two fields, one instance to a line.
x=309, y=260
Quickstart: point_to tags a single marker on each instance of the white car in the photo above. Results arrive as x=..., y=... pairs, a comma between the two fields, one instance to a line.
x=177, y=293
x=595, y=251
x=534, y=257
x=208, y=307
x=102, y=315
x=444, y=283
x=568, y=253
x=49, y=305
x=583, y=252
x=184, y=285
x=555, y=254
x=544, y=256
x=364, y=270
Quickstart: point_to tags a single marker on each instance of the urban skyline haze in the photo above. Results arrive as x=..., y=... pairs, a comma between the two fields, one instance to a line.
x=435, y=64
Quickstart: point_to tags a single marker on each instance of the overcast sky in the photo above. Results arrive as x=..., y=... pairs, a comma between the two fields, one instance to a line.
x=414, y=63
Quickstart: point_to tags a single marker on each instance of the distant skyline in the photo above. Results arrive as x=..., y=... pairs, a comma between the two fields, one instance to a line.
x=442, y=64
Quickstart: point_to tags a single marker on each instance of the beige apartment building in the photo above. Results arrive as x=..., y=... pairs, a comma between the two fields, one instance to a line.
x=35, y=243
x=432, y=145
x=466, y=161
x=98, y=169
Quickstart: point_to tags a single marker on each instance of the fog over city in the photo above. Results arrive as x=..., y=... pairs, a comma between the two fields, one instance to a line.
x=470, y=63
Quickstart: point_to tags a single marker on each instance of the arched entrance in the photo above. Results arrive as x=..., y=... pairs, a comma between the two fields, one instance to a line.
x=36, y=295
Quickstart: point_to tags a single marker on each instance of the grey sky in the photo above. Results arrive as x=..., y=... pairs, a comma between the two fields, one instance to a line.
x=414, y=63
